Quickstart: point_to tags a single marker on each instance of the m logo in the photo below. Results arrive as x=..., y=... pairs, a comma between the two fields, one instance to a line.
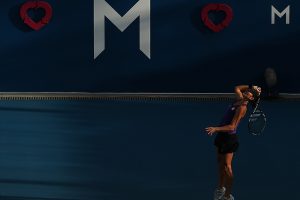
x=285, y=12
x=102, y=9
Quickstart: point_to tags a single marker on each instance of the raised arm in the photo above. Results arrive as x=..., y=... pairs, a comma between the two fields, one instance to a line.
x=238, y=90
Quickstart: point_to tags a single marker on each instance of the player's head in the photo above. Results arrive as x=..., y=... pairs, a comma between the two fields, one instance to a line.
x=252, y=96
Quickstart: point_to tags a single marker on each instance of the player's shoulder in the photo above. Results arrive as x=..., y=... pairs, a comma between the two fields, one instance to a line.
x=242, y=107
x=239, y=104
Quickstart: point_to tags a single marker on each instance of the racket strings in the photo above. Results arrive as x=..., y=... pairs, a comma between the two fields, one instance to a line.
x=257, y=121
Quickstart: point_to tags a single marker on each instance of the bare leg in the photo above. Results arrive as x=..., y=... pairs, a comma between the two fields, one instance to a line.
x=228, y=173
x=221, y=164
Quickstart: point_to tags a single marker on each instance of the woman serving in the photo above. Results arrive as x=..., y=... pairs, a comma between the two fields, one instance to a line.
x=226, y=139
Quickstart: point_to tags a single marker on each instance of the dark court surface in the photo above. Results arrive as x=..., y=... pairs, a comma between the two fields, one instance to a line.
x=124, y=150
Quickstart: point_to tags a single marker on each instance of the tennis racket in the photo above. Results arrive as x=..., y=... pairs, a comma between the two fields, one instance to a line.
x=257, y=121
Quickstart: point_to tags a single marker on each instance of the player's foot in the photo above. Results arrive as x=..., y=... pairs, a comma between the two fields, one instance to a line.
x=227, y=198
x=219, y=193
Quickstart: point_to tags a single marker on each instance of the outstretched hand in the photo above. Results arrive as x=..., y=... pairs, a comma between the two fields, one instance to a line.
x=211, y=130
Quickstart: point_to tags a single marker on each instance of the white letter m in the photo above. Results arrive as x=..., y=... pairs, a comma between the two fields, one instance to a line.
x=102, y=9
x=286, y=12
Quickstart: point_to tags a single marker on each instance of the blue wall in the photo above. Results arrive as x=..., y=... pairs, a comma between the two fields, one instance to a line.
x=186, y=57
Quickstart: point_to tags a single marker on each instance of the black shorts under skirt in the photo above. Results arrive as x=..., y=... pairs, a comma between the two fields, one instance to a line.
x=226, y=143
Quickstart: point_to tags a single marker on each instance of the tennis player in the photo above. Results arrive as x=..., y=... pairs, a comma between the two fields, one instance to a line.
x=226, y=139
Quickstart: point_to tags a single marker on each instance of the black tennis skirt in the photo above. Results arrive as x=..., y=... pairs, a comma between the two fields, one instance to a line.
x=226, y=143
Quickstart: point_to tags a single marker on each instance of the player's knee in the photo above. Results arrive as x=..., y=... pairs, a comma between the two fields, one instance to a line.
x=228, y=170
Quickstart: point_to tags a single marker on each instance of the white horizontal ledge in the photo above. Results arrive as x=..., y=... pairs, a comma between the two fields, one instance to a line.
x=110, y=96
x=128, y=96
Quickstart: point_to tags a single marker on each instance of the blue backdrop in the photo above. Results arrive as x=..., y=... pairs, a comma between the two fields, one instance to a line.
x=186, y=56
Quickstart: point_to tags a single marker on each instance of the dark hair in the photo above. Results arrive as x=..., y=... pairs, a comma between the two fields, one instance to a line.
x=255, y=97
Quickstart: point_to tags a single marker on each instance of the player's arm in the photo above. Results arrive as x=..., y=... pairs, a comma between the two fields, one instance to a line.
x=239, y=114
x=238, y=90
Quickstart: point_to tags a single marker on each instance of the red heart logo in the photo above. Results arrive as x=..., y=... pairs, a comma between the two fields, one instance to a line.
x=216, y=7
x=36, y=5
